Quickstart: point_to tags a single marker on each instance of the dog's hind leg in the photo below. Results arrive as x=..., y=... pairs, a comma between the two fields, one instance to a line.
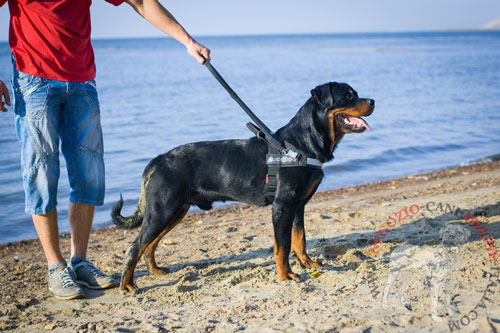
x=149, y=255
x=158, y=218
x=133, y=254
x=299, y=241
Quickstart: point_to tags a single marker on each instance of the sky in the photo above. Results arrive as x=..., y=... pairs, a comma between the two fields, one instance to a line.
x=237, y=17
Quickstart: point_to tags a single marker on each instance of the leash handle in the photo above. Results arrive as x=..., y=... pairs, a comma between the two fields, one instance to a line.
x=242, y=104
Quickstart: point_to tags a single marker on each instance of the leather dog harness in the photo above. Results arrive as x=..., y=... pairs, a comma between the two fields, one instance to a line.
x=280, y=153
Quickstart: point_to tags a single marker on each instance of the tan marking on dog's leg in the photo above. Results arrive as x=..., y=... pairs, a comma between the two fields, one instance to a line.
x=282, y=264
x=150, y=256
x=299, y=248
x=127, y=282
x=312, y=188
x=150, y=253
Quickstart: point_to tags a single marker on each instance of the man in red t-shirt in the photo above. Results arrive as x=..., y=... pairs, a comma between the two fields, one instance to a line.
x=55, y=100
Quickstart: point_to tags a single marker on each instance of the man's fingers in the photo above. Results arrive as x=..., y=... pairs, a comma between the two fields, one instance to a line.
x=7, y=98
x=200, y=59
x=199, y=52
x=202, y=55
x=4, y=93
x=206, y=53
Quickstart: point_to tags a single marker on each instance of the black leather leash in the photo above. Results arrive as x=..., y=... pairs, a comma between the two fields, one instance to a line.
x=261, y=130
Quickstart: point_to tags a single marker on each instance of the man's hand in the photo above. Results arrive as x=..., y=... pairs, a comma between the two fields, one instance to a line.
x=4, y=95
x=198, y=51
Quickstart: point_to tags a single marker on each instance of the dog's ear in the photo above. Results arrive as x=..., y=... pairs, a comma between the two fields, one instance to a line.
x=322, y=96
x=316, y=93
x=333, y=86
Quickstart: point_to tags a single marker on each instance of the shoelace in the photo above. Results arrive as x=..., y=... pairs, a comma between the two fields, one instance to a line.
x=90, y=266
x=67, y=277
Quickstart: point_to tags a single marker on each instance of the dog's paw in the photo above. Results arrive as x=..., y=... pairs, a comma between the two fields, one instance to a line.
x=313, y=264
x=289, y=276
x=128, y=289
x=309, y=263
x=158, y=271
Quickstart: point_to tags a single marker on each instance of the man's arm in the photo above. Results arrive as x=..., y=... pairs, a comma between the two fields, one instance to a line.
x=4, y=95
x=161, y=18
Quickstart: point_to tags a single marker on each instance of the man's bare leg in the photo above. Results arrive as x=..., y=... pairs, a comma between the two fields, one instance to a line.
x=48, y=233
x=80, y=220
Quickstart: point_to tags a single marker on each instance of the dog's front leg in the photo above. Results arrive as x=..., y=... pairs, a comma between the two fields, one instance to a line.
x=283, y=215
x=299, y=241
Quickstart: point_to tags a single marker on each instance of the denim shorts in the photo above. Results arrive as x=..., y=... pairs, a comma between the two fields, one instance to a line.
x=50, y=114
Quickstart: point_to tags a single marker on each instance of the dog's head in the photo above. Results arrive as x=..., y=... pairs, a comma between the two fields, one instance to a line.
x=333, y=110
x=340, y=108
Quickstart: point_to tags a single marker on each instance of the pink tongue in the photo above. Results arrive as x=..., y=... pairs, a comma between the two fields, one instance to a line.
x=358, y=121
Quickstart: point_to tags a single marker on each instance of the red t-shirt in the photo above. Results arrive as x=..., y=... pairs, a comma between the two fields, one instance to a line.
x=51, y=38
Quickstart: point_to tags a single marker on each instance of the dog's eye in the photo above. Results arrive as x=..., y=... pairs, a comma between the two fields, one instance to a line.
x=349, y=97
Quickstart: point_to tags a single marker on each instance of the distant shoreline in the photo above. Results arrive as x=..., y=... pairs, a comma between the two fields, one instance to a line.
x=357, y=33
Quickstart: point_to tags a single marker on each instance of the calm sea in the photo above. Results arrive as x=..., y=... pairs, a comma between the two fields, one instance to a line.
x=437, y=105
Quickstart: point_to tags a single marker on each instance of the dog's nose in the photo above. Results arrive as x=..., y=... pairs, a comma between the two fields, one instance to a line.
x=371, y=102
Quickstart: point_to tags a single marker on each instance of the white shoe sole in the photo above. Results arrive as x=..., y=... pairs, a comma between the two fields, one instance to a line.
x=74, y=296
x=105, y=286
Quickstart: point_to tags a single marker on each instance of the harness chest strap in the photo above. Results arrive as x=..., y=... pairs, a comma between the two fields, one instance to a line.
x=277, y=160
x=286, y=160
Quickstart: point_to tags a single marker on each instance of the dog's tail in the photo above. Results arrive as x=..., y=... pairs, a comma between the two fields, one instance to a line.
x=134, y=220
x=130, y=222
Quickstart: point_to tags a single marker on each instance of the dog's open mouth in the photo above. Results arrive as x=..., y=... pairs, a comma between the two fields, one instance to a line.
x=354, y=124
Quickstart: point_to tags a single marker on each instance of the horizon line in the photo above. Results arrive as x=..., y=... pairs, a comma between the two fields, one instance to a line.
x=299, y=34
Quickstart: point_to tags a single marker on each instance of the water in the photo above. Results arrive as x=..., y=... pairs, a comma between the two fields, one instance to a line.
x=437, y=105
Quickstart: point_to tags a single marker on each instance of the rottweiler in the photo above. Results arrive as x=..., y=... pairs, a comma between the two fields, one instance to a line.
x=204, y=172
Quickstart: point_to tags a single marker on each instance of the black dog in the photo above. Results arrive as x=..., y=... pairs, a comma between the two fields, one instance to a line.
x=203, y=172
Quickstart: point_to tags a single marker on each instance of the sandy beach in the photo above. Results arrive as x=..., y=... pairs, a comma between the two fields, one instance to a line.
x=398, y=255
